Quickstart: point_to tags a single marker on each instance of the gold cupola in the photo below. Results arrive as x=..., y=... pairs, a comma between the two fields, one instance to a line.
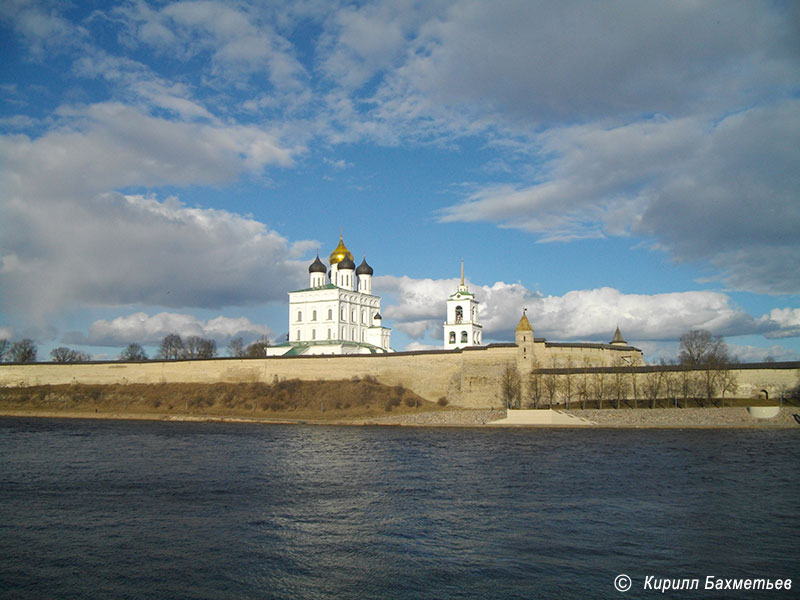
x=340, y=252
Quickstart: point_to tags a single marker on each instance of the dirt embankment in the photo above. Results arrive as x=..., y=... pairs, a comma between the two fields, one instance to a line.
x=284, y=400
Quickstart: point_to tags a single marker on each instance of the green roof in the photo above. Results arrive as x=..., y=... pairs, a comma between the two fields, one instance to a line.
x=327, y=286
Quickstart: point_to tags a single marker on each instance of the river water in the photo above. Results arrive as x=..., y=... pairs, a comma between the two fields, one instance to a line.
x=112, y=509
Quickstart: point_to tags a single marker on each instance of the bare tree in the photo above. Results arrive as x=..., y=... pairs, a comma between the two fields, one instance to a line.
x=190, y=346
x=236, y=348
x=620, y=383
x=535, y=385
x=258, y=349
x=701, y=349
x=568, y=383
x=551, y=387
x=728, y=382
x=599, y=386
x=171, y=347
x=63, y=354
x=133, y=353
x=23, y=351
x=510, y=386
x=671, y=386
x=584, y=384
x=652, y=385
x=206, y=349
x=5, y=345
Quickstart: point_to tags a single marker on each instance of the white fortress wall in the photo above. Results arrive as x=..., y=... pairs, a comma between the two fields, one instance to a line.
x=468, y=378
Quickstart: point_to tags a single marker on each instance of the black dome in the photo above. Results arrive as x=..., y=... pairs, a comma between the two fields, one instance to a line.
x=347, y=263
x=317, y=266
x=364, y=268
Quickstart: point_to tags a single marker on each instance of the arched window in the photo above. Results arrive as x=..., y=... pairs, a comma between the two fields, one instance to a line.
x=298, y=335
x=364, y=316
x=314, y=316
x=459, y=314
x=464, y=337
x=353, y=314
x=313, y=334
x=329, y=333
x=452, y=337
x=299, y=316
x=330, y=314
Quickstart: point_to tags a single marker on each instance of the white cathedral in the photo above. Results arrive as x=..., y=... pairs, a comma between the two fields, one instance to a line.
x=337, y=313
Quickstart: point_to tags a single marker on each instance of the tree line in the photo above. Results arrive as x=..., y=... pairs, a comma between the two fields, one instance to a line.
x=172, y=347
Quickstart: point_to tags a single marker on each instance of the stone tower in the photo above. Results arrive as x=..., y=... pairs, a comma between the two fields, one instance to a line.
x=523, y=336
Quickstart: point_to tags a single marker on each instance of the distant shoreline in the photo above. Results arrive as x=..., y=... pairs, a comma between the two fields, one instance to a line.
x=640, y=418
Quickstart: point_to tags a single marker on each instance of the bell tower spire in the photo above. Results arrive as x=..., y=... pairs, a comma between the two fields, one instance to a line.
x=462, y=327
x=462, y=287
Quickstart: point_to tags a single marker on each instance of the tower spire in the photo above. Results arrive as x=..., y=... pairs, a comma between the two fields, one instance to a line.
x=462, y=287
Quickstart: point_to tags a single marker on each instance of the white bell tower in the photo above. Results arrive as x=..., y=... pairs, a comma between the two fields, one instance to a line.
x=462, y=327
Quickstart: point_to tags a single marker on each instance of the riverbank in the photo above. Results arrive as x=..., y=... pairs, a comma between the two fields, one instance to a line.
x=689, y=418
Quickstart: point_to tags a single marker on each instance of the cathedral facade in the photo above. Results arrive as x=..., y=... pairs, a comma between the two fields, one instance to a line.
x=337, y=313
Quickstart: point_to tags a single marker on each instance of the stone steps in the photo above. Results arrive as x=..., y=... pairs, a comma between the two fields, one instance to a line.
x=542, y=417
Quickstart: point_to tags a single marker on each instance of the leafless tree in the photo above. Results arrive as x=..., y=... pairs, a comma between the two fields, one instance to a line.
x=551, y=386
x=236, y=348
x=728, y=382
x=23, y=351
x=699, y=349
x=510, y=386
x=599, y=386
x=258, y=349
x=653, y=381
x=133, y=353
x=171, y=347
x=63, y=354
x=535, y=385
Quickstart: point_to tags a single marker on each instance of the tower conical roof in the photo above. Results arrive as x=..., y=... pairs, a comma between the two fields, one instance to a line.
x=524, y=324
x=618, y=339
x=340, y=253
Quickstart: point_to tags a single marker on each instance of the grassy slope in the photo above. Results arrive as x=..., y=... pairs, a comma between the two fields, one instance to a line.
x=289, y=399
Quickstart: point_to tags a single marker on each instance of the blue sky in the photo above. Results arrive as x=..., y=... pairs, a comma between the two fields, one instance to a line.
x=175, y=166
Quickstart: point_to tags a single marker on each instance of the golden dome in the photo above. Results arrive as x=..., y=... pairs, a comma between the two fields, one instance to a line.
x=340, y=252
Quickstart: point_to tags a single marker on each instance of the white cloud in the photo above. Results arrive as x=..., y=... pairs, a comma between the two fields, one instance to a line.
x=417, y=307
x=114, y=249
x=746, y=353
x=238, y=42
x=782, y=322
x=533, y=62
x=149, y=330
x=724, y=193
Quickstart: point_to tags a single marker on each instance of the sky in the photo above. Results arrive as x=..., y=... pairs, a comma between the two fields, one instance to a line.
x=174, y=167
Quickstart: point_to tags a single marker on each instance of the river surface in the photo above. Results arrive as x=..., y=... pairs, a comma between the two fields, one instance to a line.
x=114, y=509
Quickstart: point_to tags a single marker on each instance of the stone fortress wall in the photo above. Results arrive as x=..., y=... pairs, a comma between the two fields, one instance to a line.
x=468, y=378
